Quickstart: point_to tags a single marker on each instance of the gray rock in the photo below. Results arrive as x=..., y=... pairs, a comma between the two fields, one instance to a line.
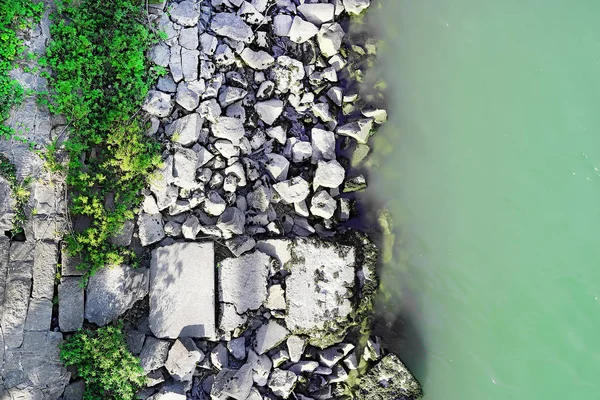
x=316, y=13
x=70, y=304
x=259, y=199
x=356, y=6
x=330, y=38
x=219, y=357
x=228, y=128
x=74, y=391
x=231, y=26
x=237, y=348
x=235, y=287
x=359, y=130
x=184, y=168
x=135, y=341
x=175, y=66
x=186, y=97
x=185, y=130
x=240, y=244
x=329, y=174
x=268, y=336
x=275, y=298
x=282, y=382
x=185, y=13
x=282, y=24
x=44, y=270
x=287, y=73
x=154, y=353
x=389, y=379
x=301, y=30
x=229, y=319
x=182, y=274
x=344, y=209
x=182, y=359
x=160, y=54
x=378, y=115
x=190, y=227
x=150, y=228
x=207, y=68
x=302, y=367
x=250, y=14
x=254, y=395
x=261, y=367
x=335, y=94
x=210, y=109
x=332, y=355
x=230, y=384
x=280, y=357
x=214, y=204
x=231, y=222
x=189, y=64
x=158, y=103
x=258, y=60
x=323, y=144
x=294, y=190
x=277, y=133
x=124, y=235
x=355, y=184
x=295, y=345
x=208, y=44
x=302, y=151
x=277, y=166
x=337, y=374
x=269, y=110
x=224, y=55
x=112, y=291
x=351, y=361
x=265, y=90
x=230, y=95
x=323, y=205
x=188, y=38
x=39, y=315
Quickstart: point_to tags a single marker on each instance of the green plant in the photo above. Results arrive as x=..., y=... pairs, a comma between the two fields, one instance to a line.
x=15, y=15
x=20, y=193
x=102, y=359
x=100, y=79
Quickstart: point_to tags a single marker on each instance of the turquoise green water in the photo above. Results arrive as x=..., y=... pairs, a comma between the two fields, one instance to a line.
x=494, y=183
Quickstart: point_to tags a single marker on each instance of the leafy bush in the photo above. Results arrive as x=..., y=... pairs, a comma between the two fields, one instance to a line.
x=15, y=15
x=102, y=359
x=100, y=79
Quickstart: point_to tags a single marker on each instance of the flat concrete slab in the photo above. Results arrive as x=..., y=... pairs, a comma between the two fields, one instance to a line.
x=182, y=291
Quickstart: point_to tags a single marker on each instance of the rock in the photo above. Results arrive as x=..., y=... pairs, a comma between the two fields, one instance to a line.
x=277, y=166
x=282, y=382
x=210, y=109
x=269, y=336
x=282, y=24
x=74, y=391
x=184, y=168
x=304, y=367
x=124, y=235
x=230, y=384
x=254, y=395
x=301, y=151
x=261, y=367
x=185, y=13
x=228, y=128
x=158, y=103
x=330, y=38
x=332, y=355
x=293, y=190
x=280, y=357
x=186, y=97
x=237, y=348
x=112, y=291
x=214, y=204
x=259, y=199
x=389, y=379
x=322, y=205
x=258, y=60
x=351, y=362
x=301, y=30
x=229, y=319
x=275, y=298
x=337, y=375
x=269, y=110
x=155, y=378
x=355, y=184
x=356, y=6
x=359, y=130
x=335, y=94
x=190, y=227
x=250, y=14
x=182, y=274
x=135, y=341
x=70, y=304
x=287, y=73
x=231, y=26
x=203, y=156
x=208, y=44
x=317, y=13
x=378, y=115
x=265, y=90
x=231, y=222
x=301, y=209
x=323, y=144
x=39, y=315
x=235, y=287
x=295, y=345
x=175, y=66
x=230, y=95
x=277, y=133
x=219, y=357
x=189, y=64
x=372, y=351
x=154, y=353
x=185, y=130
x=344, y=209
x=240, y=244
x=328, y=174
x=182, y=359
x=160, y=54
x=188, y=38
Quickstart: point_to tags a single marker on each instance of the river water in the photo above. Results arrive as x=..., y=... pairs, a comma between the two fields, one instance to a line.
x=490, y=166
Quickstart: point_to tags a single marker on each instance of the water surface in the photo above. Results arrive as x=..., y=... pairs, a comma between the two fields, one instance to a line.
x=494, y=184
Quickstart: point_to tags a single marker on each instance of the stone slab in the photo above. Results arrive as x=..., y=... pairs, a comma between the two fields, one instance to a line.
x=39, y=315
x=182, y=290
x=235, y=287
x=70, y=304
x=44, y=270
x=69, y=263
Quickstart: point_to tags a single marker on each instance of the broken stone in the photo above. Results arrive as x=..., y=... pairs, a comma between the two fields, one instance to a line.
x=189, y=64
x=287, y=73
x=277, y=166
x=269, y=110
x=293, y=190
x=231, y=26
x=235, y=287
x=185, y=130
x=188, y=38
x=237, y=348
x=359, y=130
x=240, y=244
x=332, y=355
x=269, y=336
x=230, y=95
x=154, y=353
x=231, y=222
x=282, y=382
x=378, y=115
x=230, y=384
x=356, y=6
x=330, y=38
x=219, y=357
x=158, y=103
x=70, y=303
x=301, y=30
x=328, y=174
x=182, y=359
x=190, y=227
x=301, y=151
x=323, y=205
x=261, y=367
x=323, y=144
x=295, y=345
x=275, y=298
x=228, y=128
x=185, y=13
x=355, y=184
x=258, y=60
x=316, y=13
x=389, y=379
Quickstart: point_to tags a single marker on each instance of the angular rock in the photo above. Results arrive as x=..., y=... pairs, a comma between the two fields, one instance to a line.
x=295, y=345
x=359, y=130
x=277, y=166
x=316, y=13
x=135, y=341
x=229, y=319
x=258, y=60
x=301, y=30
x=177, y=272
x=150, y=228
x=154, y=353
x=186, y=97
x=44, y=270
x=112, y=291
x=240, y=244
x=269, y=110
x=323, y=144
x=389, y=379
x=39, y=315
x=184, y=168
x=214, y=204
x=237, y=348
x=301, y=151
x=219, y=357
x=231, y=26
x=70, y=304
x=182, y=359
x=379, y=115
x=329, y=174
x=185, y=13
x=282, y=24
x=230, y=95
x=230, y=384
x=268, y=336
x=185, y=130
x=210, y=109
x=231, y=222
x=261, y=367
x=228, y=128
x=275, y=298
x=124, y=235
x=175, y=66
x=356, y=6
x=235, y=287
x=158, y=103
x=355, y=184
x=294, y=190
x=282, y=382
x=323, y=205
x=259, y=199
x=287, y=73
x=74, y=391
x=189, y=64
x=330, y=38
x=190, y=227
x=160, y=54
x=188, y=38
x=332, y=355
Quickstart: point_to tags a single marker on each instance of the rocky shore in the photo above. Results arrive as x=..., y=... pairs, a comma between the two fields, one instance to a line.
x=253, y=287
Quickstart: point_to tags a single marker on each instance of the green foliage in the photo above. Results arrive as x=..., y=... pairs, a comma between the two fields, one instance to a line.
x=100, y=79
x=102, y=359
x=20, y=192
x=15, y=15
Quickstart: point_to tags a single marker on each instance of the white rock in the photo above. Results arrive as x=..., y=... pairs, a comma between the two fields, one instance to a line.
x=214, y=204
x=359, y=130
x=301, y=30
x=184, y=168
x=332, y=355
x=293, y=190
x=323, y=144
x=356, y=6
x=208, y=44
x=238, y=170
x=302, y=151
x=226, y=148
x=287, y=73
x=250, y=14
x=186, y=97
x=234, y=284
x=379, y=115
x=304, y=367
x=330, y=38
x=160, y=55
x=282, y=24
x=230, y=95
x=188, y=38
x=149, y=205
x=229, y=319
x=335, y=94
x=277, y=133
x=231, y=26
x=329, y=174
x=337, y=62
x=204, y=156
x=280, y=357
x=158, y=103
x=210, y=109
x=150, y=228
x=323, y=205
x=265, y=90
x=269, y=110
x=282, y=382
x=259, y=199
x=259, y=60
x=231, y=222
x=261, y=367
x=344, y=209
x=185, y=13
x=182, y=359
x=240, y=244
x=295, y=345
x=317, y=13
x=185, y=130
x=219, y=357
x=190, y=227
x=275, y=298
x=228, y=128
x=269, y=336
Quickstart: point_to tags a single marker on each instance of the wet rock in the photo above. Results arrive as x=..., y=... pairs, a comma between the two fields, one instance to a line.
x=231, y=26
x=235, y=287
x=355, y=184
x=351, y=362
x=268, y=336
x=389, y=379
x=282, y=382
x=112, y=291
x=182, y=359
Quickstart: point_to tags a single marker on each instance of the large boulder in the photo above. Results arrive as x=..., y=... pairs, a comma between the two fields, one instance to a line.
x=182, y=291
x=114, y=290
x=389, y=379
